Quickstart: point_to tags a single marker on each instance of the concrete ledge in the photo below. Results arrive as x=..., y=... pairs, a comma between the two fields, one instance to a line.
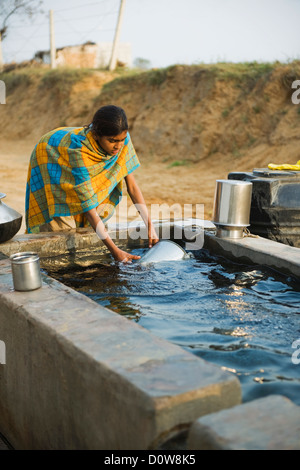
x=132, y=234
x=257, y=250
x=79, y=376
x=271, y=423
x=3, y=445
x=50, y=244
x=250, y=250
x=55, y=243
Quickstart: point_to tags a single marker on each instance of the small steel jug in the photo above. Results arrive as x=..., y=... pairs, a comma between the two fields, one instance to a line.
x=26, y=271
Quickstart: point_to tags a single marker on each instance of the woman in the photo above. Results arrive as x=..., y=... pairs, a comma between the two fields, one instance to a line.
x=75, y=178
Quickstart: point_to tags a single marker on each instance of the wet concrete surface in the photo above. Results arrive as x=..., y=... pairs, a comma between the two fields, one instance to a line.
x=4, y=445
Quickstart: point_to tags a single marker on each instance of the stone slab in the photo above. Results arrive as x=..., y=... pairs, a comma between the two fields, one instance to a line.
x=3, y=445
x=269, y=423
x=46, y=244
x=55, y=243
x=79, y=376
x=250, y=249
x=126, y=234
x=257, y=250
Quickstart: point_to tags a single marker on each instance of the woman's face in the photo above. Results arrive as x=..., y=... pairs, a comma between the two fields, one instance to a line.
x=112, y=144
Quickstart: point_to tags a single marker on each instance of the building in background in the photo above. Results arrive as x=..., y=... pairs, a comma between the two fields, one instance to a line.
x=88, y=55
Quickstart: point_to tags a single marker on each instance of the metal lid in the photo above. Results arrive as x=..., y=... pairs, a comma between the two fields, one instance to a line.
x=234, y=182
x=267, y=173
x=2, y=195
x=225, y=225
x=24, y=257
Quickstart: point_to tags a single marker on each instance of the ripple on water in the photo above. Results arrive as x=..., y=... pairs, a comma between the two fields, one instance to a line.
x=240, y=317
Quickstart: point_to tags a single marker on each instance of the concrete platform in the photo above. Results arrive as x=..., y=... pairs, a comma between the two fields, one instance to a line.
x=79, y=376
x=249, y=250
x=3, y=445
x=256, y=250
x=270, y=423
x=51, y=244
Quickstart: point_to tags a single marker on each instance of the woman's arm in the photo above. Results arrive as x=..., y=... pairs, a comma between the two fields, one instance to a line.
x=97, y=224
x=138, y=200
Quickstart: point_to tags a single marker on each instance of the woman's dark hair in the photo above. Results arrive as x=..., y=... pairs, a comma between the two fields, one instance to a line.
x=109, y=121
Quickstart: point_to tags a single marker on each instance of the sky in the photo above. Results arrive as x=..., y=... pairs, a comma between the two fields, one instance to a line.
x=167, y=32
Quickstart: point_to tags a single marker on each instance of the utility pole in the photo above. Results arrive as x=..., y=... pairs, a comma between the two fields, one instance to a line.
x=113, y=59
x=52, y=42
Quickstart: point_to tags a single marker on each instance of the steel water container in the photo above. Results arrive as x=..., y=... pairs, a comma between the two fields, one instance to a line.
x=10, y=221
x=26, y=271
x=232, y=204
x=275, y=206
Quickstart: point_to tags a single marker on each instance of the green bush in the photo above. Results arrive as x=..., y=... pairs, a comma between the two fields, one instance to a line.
x=62, y=79
x=14, y=80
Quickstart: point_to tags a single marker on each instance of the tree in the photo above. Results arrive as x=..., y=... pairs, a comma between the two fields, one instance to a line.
x=141, y=63
x=13, y=8
x=10, y=8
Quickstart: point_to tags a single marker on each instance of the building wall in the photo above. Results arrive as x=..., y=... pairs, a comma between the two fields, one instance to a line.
x=77, y=56
x=89, y=55
x=104, y=53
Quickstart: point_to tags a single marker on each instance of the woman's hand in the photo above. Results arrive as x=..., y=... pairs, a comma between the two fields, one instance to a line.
x=123, y=257
x=152, y=235
x=98, y=226
x=138, y=200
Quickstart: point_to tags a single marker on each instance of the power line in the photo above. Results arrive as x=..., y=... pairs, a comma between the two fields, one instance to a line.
x=81, y=6
x=70, y=26
x=97, y=15
x=62, y=20
x=21, y=26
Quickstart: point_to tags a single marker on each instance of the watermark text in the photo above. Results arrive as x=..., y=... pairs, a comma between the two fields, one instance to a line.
x=296, y=354
x=2, y=92
x=179, y=222
x=2, y=352
x=296, y=94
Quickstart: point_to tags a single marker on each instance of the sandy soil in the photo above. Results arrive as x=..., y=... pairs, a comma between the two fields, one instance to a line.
x=169, y=191
x=207, y=127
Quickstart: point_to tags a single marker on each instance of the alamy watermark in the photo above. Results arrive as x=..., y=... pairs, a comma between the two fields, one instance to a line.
x=296, y=354
x=2, y=92
x=176, y=221
x=2, y=352
x=296, y=94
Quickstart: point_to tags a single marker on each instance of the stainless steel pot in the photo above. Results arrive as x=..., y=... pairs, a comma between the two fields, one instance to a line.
x=10, y=221
x=232, y=206
x=26, y=271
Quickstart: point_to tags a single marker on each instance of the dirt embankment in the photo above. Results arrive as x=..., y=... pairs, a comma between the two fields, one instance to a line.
x=190, y=125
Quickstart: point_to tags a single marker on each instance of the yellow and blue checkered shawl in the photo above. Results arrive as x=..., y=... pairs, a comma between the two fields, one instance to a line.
x=70, y=174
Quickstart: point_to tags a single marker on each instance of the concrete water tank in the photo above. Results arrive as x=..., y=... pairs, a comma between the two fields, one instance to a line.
x=275, y=204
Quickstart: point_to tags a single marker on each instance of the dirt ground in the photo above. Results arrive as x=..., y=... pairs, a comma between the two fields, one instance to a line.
x=169, y=191
x=188, y=131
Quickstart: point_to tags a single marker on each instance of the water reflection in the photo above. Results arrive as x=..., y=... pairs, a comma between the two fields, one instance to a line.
x=243, y=318
x=103, y=282
x=238, y=332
